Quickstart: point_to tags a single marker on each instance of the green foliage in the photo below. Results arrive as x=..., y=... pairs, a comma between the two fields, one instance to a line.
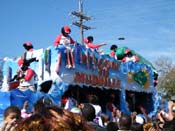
x=166, y=70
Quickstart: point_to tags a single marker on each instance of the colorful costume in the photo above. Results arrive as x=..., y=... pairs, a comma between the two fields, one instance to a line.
x=27, y=76
x=65, y=40
x=113, y=51
x=129, y=56
x=91, y=47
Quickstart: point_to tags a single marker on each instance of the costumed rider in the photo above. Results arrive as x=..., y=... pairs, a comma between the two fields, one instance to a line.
x=28, y=54
x=27, y=76
x=91, y=48
x=113, y=51
x=90, y=45
x=128, y=56
x=63, y=42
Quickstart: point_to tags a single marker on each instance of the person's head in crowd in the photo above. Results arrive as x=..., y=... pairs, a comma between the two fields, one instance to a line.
x=173, y=109
x=112, y=126
x=12, y=115
x=111, y=98
x=88, y=112
x=65, y=30
x=93, y=99
x=149, y=126
x=136, y=127
x=68, y=120
x=35, y=122
x=41, y=104
x=55, y=119
x=125, y=122
x=105, y=119
x=169, y=126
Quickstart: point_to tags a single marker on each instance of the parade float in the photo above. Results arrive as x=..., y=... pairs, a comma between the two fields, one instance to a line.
x=132, y=82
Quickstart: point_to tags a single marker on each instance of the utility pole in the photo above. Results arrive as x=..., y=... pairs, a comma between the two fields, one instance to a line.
x=79, y=23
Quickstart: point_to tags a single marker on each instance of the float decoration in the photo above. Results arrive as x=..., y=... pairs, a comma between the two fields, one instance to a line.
x=91, y=69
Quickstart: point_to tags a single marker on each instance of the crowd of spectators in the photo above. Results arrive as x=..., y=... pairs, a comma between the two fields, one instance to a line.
x=49, y=117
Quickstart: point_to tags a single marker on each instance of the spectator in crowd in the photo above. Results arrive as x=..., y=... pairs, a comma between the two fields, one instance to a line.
x=88, y=112
x=116, y=114
x=166, y=117
x=70, y=103
x=112, y=126
x=125, y=123
x=110, y=106
x=94, y=101
x=41, y=104
x=171, y=107
x=136, y=126
x=169, y=126
x=24, y=113
x=12, y=115
x=149, y=126
x=35, y=122
x=105, y=119
x=54, y=119
x=64, y=41
x=68, y=100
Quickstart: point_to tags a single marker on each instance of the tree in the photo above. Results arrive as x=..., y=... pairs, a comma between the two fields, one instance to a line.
x=166, y=71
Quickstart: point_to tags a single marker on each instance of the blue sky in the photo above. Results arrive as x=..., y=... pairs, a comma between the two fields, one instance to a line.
x=148, y=26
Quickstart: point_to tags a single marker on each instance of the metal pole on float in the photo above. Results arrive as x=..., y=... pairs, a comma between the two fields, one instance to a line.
x=79, y=23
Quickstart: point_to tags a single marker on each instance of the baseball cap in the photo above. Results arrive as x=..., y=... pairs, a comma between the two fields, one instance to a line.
x=67, y=29
x=27, y=45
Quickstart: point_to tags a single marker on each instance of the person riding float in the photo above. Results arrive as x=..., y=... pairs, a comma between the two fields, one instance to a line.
x=66, y=40
x=26, y=76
